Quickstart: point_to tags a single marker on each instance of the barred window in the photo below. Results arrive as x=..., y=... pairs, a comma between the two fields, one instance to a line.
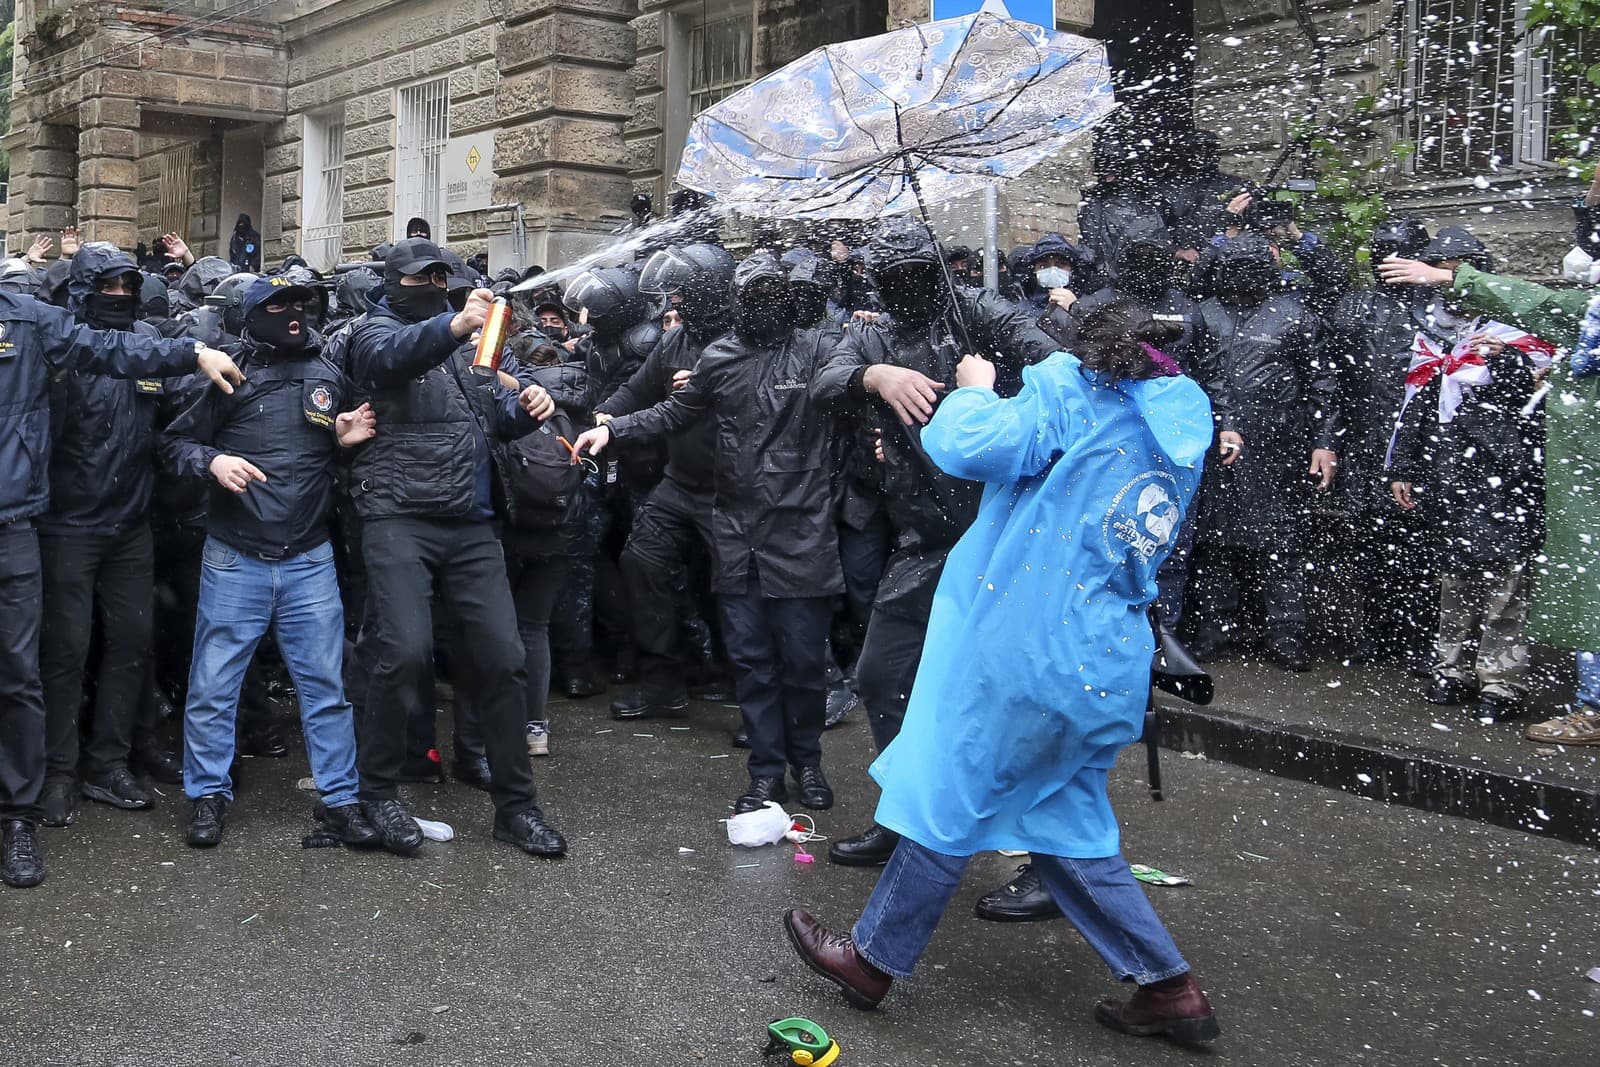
x=720, y=54
x=423, y=122
x=323, y=183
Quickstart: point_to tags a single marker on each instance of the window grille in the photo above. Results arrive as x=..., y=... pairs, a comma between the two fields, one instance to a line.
x=720, y=54
x=423, y=131
x=323, y=243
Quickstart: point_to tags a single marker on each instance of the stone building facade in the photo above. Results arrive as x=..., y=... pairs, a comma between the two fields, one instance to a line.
x=523, y=126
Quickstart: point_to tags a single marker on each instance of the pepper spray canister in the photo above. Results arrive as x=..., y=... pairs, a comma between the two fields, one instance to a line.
x=492, y=338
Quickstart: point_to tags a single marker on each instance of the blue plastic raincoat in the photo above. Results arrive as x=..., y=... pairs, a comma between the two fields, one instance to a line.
x=1036, y=668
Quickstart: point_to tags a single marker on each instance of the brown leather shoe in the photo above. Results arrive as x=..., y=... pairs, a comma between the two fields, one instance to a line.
x=1181, y=1012
x=834, y=956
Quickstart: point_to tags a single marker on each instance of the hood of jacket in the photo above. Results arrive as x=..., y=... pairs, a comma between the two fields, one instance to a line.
x=199, y=280
x=94, y=262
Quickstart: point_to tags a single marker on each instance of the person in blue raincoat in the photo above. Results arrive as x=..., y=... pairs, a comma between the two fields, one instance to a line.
x=1036, y=671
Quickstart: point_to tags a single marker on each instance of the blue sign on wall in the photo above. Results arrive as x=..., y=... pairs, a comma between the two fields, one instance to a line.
x=1038, y=12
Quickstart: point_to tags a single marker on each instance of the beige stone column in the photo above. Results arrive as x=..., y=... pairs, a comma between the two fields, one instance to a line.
x=108, y=154
x=565, y=92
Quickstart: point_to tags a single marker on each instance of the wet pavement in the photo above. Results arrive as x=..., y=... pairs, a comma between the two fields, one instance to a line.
x=1386, y=705
x=1328, y=929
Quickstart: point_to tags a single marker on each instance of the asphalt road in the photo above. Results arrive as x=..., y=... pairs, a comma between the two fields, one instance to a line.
x=1328, y=930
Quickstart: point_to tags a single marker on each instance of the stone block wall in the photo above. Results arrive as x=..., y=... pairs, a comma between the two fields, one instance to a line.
x=352, y=63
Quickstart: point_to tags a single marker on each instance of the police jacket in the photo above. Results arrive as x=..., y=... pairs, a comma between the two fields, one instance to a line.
x=773, y=477
x=689, y=453
x=1106, y=216
x=431, y=457
x=1370, y=343
x=103, y=450
x=282, y=421
x=35, y=339
x=1280, y=392
x=613, y=358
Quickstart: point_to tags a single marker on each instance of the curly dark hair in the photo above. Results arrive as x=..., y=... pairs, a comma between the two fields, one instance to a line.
x=1112, y=340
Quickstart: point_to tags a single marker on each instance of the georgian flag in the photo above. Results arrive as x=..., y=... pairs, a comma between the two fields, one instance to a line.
x=1462, y=368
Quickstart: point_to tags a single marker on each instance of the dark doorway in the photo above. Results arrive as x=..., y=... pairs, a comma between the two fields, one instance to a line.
x=1151, y=47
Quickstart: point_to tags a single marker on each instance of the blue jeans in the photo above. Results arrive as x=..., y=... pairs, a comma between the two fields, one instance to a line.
x=240, y=598
x=1589, y=681
x=1100, y=897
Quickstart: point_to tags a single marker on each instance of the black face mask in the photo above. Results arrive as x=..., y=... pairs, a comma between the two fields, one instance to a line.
x=810, y=305
x=1245, y=281
x=914, y=296
x=273, y=329
x=106, y=312
x=764, y=316
x=415, y=303
x=1147, y=272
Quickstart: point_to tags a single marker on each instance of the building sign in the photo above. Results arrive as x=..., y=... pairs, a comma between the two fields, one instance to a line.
x=469, y=173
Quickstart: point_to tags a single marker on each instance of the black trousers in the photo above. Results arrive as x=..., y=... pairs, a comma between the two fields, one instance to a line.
x=109, y=577
x=21, y=696
x=405, y=559
x=887, y=667
x=779, y=650
x=668, y=530
x=1217, y=589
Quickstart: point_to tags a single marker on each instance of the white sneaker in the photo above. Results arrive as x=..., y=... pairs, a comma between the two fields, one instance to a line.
x=538, y=739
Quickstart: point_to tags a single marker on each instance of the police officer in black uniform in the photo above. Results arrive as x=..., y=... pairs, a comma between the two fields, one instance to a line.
x=773, y=538
x=423, y=489
x=674, y=522
x=34, y=338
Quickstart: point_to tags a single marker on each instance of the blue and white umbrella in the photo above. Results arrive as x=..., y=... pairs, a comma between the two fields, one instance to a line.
x=886, y=124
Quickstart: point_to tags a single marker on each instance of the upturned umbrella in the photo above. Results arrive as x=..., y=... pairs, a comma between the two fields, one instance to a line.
x=885, y=124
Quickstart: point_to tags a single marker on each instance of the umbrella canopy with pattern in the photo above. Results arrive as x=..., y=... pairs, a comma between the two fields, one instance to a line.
x=885, y=124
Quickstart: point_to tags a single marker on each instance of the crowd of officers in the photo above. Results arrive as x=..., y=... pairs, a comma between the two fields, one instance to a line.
x=693, y=476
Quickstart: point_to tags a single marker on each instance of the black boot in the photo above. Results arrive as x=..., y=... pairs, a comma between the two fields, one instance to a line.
x=21, y=862
x=473, y=771
x=118, y=788
x=762, y=789
x=205, y=821
x=648, y=702
x=529, y=832
x=1024, y=899
x=1288, y=651
x=815, y=792
x=425, y=768
x=264, y=738
x=580, y=684
x=398, y=831
x=871, y=848
x=58, y=804
x=349, y=824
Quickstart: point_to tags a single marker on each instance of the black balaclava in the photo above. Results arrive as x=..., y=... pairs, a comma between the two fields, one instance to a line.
x=418, y=227
x=1246, y=272
x=413, y=303
x=276, y=330
x=105, y=312
x=810, y=303
x=763, y=309
x=913, y=293
x=1146, y=270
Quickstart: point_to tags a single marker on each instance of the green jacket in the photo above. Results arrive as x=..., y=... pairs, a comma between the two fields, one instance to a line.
x=1566, y=607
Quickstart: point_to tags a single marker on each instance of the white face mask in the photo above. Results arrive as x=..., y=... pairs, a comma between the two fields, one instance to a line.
x=1053, y=277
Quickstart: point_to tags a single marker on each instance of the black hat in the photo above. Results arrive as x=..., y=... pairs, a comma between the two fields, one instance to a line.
x=415, y=255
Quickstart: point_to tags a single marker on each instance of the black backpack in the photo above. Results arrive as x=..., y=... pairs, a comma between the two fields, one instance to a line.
x=543, y=479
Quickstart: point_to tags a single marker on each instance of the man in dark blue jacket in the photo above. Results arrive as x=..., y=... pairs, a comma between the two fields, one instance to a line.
x=423, y=490
x=96, y=550
x=34, y=338
x=267, y=563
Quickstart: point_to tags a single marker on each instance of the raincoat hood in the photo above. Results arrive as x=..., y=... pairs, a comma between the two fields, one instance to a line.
x=153, y=298
x=17, y=276
x=900, y=241
x=766, y=318
x=94, y=263
x=1245, y=269
x=354, y=291
x=199, y=280
x=1453, y=242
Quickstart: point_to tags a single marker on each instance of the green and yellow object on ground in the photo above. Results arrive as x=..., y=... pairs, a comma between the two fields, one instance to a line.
x=806, y=1043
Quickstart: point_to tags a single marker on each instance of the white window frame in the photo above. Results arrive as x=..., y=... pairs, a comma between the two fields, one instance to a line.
x=422, y=134
x=682, y=64
x=322, y=189
x=1523, y=121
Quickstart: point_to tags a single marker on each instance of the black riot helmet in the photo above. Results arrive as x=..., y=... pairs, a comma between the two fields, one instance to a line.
x=228, y=300
x=153, y=299
x=698, y=275
x=811, y=279
x=1245, y=271
x=610, y=293
x=1398, y=236
x=763, y=308
x=907, y=271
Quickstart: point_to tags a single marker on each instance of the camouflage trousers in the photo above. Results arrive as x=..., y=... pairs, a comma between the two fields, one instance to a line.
x=1482, y=617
